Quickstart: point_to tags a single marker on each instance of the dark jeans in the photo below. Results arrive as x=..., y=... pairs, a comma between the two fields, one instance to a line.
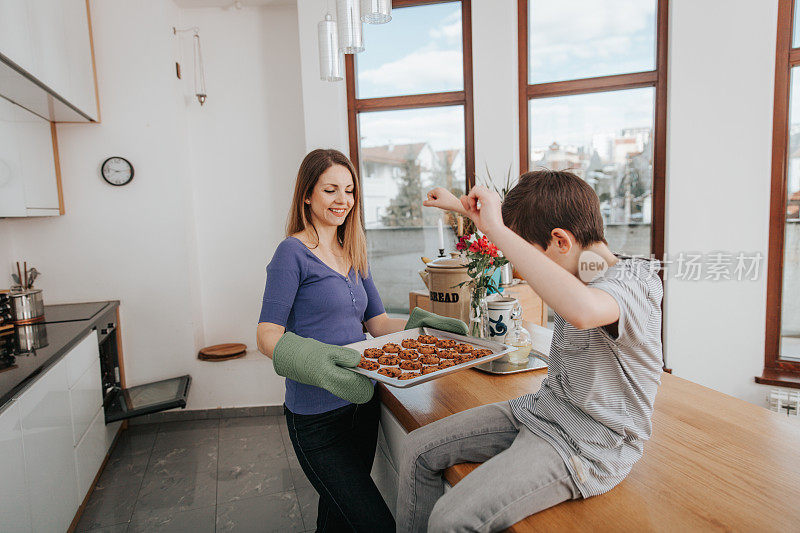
x=336, y=450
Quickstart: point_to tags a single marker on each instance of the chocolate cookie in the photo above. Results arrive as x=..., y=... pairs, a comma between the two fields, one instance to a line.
x=410, y=343
x=429, y=369
x=464, y=348
x=446, y=343
x=427, y=339
x=366, y=364
x=482, y=353
x=427, y=350
x=429, y=360
x=373, y=353
x=391, y=348
x=388, y=360
x=410, y=365
x=447, y=363
x=408, y=375
x=390, y=372
x=448, y=354
x=408, y=354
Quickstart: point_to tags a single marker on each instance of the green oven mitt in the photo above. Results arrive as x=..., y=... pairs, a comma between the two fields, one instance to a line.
x=316, y=363
x=421, y=318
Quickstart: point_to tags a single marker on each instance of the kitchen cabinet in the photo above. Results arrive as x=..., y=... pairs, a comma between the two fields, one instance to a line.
x=46, y=58
x=28, y=179
x=48, y=444
x=14, y=508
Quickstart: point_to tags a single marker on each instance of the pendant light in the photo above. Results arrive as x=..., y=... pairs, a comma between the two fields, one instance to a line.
x=376, y=11
x=348, y=22
x=199, y=71
x=330, y=65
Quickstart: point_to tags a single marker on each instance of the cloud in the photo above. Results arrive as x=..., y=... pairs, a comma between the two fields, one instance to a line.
x=422, y=71
x=443, y=127
x=450, y=33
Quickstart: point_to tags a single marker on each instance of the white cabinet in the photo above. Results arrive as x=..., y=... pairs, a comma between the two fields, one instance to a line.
x=90, y=453
x=48, y=41
x=28, y=183
x=15, y=514
x=49, y=458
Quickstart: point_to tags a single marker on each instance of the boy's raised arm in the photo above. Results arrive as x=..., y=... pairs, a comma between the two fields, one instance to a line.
x=581, y=306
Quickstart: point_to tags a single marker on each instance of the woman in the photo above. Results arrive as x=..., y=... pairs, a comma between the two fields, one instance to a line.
x=319, y=295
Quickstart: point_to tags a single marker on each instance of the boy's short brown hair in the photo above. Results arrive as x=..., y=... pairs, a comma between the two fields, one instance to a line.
x=547, y=199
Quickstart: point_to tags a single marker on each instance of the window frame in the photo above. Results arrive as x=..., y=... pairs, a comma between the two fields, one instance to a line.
x=653, y=78
x=778, y=371
x=463, y=97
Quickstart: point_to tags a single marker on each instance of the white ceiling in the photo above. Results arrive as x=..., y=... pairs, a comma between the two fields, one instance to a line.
x=230, y=4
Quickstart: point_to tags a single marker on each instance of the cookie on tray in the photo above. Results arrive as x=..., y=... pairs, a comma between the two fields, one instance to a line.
x=446, y=363
x=390, y=372
x=427, y=339
x=391, y=348
x=429, y=369
x=410, y=343
x=366, y=364
x=388, y=360
x=408, y=375
x=408, y=354
x=373, y=353
x=427, y=350
x=410, y=365
x=446, y=343
x=448, y=354
x=464, y=348
x=482, y=353
x=429, y=360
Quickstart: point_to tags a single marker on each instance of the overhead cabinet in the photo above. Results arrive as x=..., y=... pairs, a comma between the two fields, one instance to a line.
x=46, y=62
x=28, y=179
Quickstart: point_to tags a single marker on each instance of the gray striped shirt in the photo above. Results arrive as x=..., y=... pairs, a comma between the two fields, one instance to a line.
x=595, y=405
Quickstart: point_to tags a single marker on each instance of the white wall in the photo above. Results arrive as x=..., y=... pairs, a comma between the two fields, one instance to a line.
x=718, y=183
x=184, y=246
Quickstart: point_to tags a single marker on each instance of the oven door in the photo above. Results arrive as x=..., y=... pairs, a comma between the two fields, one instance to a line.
x=146, y=399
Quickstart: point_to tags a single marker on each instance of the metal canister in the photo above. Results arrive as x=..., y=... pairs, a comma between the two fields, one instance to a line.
x=443, y=277
x=27, y=306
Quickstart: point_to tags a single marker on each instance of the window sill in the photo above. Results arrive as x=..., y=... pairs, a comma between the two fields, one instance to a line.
x=779, y=378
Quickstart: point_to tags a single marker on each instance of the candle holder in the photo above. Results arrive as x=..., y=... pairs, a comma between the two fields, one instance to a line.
x=441, y=252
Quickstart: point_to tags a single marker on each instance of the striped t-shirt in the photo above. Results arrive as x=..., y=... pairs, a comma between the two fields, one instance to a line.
x=595, y=405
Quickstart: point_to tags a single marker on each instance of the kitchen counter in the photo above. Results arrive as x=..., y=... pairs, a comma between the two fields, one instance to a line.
x=65, y=325
x=713, y=463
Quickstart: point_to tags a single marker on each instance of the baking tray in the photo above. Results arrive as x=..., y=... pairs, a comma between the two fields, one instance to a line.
x=535, y=362
x=498, y=350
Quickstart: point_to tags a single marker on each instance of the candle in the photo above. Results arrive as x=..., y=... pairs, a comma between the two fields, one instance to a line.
x=441, y=235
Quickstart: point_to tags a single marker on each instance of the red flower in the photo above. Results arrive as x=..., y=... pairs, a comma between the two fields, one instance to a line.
x=474, y=247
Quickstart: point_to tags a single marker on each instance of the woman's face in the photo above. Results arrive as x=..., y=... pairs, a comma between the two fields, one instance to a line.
x=332, y=197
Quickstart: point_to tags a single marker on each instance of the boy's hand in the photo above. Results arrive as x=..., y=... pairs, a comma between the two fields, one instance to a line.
x=487, y=217
x=443, y=199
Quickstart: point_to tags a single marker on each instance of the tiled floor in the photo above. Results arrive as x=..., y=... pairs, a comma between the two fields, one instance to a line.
x=229, y=474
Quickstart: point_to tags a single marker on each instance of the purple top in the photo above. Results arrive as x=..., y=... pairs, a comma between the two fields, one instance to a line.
x=312, y=300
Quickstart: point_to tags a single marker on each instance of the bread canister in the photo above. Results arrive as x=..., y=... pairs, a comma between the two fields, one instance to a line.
x=27, y=306
x=443, y=277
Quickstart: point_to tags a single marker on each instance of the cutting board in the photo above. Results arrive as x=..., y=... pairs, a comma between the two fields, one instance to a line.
x=222, y=352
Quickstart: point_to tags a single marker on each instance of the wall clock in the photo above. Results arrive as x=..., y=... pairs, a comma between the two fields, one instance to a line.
x=117, y=171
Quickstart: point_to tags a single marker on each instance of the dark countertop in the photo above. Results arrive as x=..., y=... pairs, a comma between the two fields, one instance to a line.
x=65, y=326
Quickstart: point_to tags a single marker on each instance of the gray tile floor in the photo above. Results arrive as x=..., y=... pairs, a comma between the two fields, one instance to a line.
x=229, y=474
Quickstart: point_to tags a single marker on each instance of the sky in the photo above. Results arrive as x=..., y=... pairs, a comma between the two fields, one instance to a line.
x=587, y=38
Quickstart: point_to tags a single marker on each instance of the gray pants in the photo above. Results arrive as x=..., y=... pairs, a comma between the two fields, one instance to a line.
x=521, y=473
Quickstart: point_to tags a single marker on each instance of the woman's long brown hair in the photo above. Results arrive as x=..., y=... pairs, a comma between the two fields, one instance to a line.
x=350, y=234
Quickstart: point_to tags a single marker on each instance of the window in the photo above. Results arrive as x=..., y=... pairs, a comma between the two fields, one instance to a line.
x=782, y=343
x=410, y=124
x=592, y=99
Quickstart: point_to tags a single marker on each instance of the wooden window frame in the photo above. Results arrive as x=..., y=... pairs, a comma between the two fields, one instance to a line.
x=654, y=78
x=777, y=371
x=418, y=101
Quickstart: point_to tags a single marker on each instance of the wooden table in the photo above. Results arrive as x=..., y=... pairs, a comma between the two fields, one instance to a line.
x=713, y=463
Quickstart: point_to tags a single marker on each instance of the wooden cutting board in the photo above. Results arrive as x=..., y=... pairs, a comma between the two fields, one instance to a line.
x=222, y=352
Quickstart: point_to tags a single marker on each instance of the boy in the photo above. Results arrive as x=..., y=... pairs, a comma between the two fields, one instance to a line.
x=581, y=433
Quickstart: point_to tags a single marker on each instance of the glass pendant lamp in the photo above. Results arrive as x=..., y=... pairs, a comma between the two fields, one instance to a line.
x=376, y=11
x=330, y=65
x=348, y=22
